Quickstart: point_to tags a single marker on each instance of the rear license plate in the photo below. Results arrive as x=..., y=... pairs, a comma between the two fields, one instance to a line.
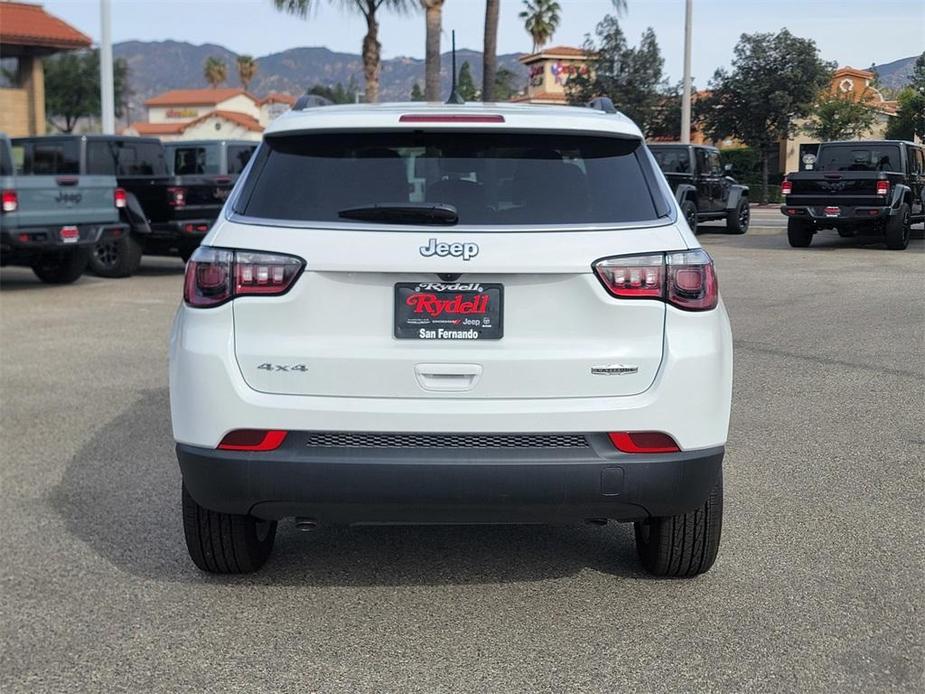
x=69, y=234
x=832, y=211
x=449, y=311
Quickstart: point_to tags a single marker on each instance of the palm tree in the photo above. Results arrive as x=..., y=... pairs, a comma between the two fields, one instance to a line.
x=215, y=71
x=490, y=49
x=541, y=18
x=433, y=17
x=247, y=69
x=371, y=46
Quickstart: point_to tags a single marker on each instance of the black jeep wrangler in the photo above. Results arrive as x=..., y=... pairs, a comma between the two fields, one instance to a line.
x=166, y=214
x=861, y=188
x=702, y=185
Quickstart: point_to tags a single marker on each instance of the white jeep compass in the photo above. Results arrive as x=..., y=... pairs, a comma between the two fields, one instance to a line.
x=451, y=314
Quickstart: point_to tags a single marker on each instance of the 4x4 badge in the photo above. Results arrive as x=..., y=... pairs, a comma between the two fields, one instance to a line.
x=614, y=370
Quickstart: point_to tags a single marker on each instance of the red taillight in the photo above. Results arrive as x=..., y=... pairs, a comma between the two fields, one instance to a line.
x=450, y=118
x=176, y=196
x=119, y=198
x=643, y=442
x=10, y=201
x=217, y=275
x=685, y=279
x=252, y=440
x=883, y=188
x=786, y=188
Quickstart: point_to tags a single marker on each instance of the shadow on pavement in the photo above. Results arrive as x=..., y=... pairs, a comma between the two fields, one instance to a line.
x=120, y=495
x=822, y=241
x=17, y=278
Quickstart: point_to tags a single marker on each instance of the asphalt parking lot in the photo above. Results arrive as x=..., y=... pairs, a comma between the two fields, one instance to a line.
x=818, y=585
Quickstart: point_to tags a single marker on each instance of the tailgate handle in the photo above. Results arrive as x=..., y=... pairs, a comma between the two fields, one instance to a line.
x=447, y=377
x=67, y=180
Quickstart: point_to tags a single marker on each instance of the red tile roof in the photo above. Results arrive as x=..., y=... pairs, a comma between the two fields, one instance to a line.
x=555, y=52
x=157, y=128
x=242, y=119
x=542, y=97
x=22, y=24
x=195, y=97
x=277, y=98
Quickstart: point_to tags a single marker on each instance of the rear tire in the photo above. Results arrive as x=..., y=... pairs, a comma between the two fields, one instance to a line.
x=225, y=543
x=737, y=220
x=799, y=233
x=61, y=268
x=116, y=257
x=684, y=545
x=689, y=212
x=898, y=229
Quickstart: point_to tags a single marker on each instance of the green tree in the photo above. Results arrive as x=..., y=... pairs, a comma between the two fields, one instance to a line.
x=371, y=49
x=465, y=85
x=433, y=20
x=490, y=51
x=416, y=93
x=338, y=93
x=215, y=71
x=247, y=69
x=504, y=87
x=541, y=19
x=909, y=121
x=773, y=83
x=72, y=87
x=839, y=116
x=631, y=77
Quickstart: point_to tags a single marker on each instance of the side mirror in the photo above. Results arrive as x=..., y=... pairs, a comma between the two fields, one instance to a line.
x=728, y=168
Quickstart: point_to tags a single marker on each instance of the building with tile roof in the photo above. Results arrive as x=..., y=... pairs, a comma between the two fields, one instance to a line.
x=549, y=70
x=211, y=113
x=27, y=34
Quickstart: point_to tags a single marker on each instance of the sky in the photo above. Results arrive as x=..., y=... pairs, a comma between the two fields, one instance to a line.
x=851, y=32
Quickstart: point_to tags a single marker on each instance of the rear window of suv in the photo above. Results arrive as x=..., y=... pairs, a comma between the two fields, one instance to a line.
x=496, y=178
x=860, y=157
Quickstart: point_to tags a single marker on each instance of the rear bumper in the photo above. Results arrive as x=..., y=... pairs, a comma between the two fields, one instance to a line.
x=182, y=229
x=49, y=237
x=23, y=245
x=854, y=214
x=449, y=485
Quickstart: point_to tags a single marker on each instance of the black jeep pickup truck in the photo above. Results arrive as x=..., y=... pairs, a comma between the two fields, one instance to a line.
x=863, y=188
x=702, y=186
x=166, y=214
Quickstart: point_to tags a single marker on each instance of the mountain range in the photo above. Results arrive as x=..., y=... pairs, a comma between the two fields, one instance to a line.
x=157, y=66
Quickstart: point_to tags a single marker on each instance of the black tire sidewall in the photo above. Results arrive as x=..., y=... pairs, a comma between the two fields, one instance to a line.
x=899, y=229
x=686, y=208
x=799, y=233
x=64, y=267
x=733, y=224
x=128, y=257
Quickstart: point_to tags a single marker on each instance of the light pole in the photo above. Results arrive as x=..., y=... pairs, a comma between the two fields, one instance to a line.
x=686, y=93
x=107, y=89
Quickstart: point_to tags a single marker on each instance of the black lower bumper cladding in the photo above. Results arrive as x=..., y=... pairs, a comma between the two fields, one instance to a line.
x=351, y=478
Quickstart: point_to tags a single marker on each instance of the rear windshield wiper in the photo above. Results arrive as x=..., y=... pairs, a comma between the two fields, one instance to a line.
x=436, y=213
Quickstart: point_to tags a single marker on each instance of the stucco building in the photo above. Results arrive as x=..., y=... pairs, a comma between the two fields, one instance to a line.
x=28, y=34
x=549, y=70
x=196, y=114
x=850, y=83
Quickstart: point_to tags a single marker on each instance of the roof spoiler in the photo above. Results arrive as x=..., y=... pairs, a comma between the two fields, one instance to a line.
x=603, y=104
x=310, y=101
